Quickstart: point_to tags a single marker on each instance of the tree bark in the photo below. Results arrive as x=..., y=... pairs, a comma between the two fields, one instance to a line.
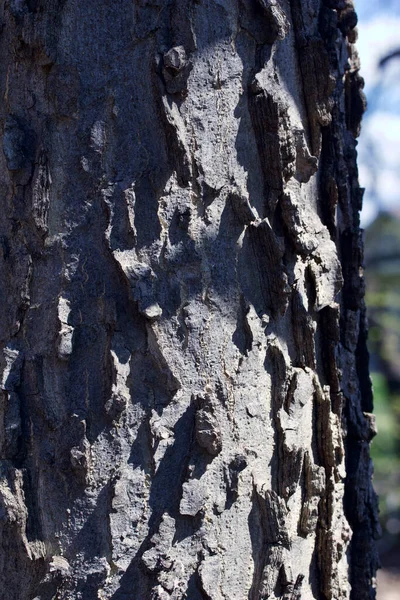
x=185, y=398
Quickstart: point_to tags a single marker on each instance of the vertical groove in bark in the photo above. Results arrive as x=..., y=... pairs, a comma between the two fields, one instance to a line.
x=185, y=401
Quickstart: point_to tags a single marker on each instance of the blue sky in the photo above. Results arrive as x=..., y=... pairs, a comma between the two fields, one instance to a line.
x=367, y=9
x=379, y=143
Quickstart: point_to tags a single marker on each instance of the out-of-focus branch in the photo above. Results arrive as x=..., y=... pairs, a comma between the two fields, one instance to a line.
x=389, y=57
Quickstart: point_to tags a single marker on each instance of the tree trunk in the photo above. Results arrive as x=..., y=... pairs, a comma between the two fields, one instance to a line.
x=185, y=399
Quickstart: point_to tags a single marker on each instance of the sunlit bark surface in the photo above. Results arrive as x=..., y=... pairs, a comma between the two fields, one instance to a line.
x=185, y=401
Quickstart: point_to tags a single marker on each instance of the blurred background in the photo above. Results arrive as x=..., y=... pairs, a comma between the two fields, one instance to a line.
x=379, y=167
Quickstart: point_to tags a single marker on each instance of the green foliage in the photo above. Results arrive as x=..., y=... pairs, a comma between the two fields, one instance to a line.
x=384, y=445
x=383, y=302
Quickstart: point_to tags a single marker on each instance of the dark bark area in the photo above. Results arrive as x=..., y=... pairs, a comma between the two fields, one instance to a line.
x=185, y=404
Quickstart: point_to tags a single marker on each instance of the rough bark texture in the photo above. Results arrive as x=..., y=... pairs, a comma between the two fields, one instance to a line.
x=185, y=400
